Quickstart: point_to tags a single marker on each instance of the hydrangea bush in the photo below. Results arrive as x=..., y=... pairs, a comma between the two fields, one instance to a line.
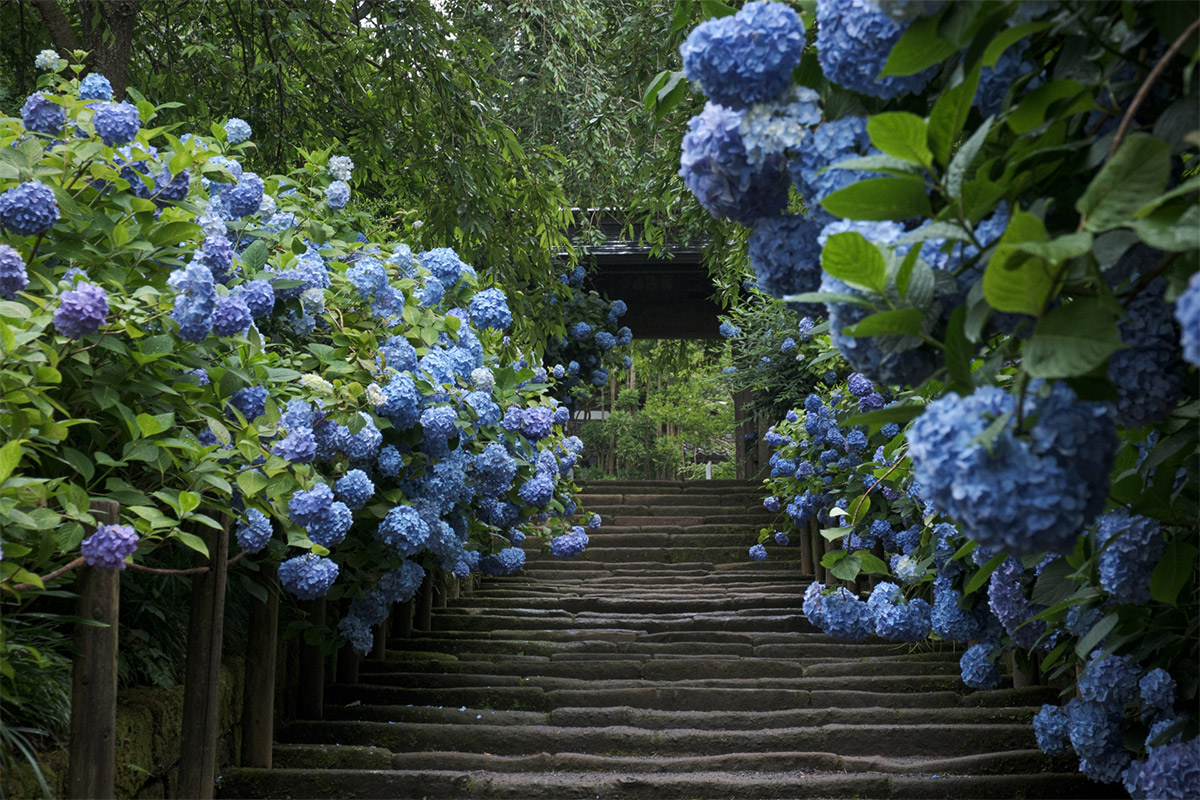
x=1015, y=452
x=196, y=342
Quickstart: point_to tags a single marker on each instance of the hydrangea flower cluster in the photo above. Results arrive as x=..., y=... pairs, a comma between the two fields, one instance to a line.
x=28, y=209
x=308, y=576
x=854, y=39
x=1146, y=372
x=109, y=546
x=254, y=532
x=1187, y=314
x=747, y=57
x=1131, y=547
x=1059, y=468
x=13, y=275
x=116, y=123
x=81, y=311
x=569, y=544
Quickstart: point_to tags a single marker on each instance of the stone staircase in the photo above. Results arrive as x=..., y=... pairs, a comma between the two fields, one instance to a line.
x=661, y=663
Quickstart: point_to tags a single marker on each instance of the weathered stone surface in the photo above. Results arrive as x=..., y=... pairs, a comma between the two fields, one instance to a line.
x=661, y=664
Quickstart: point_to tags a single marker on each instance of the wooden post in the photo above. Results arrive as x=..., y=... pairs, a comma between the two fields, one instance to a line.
x=201, y=701
x=439, y=593
x=310, y=702
x=258, y=693
x=381, y=636
x=806, y=553
x=402, y=620
x=454, y=591
x=92, y=752
x=423, y=616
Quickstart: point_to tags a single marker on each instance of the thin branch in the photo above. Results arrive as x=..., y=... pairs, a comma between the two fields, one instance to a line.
x=1148, y=84
x=58, y=573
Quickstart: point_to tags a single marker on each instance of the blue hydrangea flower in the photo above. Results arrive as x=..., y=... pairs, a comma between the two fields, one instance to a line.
x=833, y=142
x=258, y=297
x=758, y=553
x=728, y=331
x=1109, y=680
x=403, y=530
x=854, y=39
x=109, y=546
x=305, y=506
x=1094, y=728
x=1187, y=314
x=244, y=198
x=569, y=544
x=399, y=353
x=400, y=585
x=599, y=377
x=489, y=309
x=40, y=114
x=617, y=310
x=28, y=209
x=95, y=86
x=330, y=526
x=979, y=667
x=1006, y=597
x=298, y=447
x=715, y=168
x=357, y=632
x=537, y=491
x=1130, y=548
x=337, y=195
x=439, y=422
x=444, y=263
x=389, y=462
x=995, y=81
x=13, y=275
x=237, y=130
x=368, y=276
x=1172, y=771
x=605, y=341
x=537, y=422
x=844, y=616
x=784, y=255
x=308, y=576
x=231, y=316
x=251, y=402
x=1146, y=373
x=949, y=620
x=81, y=311
x=747, y=57
x=116, y=123
x=506, y=562
x=865, y=354
x=1059, y=470
x=1157, y=691
x=195, y=301
x=254, y=532
x=1050, y=727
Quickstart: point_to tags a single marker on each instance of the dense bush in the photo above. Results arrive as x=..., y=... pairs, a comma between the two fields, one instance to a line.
x=202, y=344
x=1003, y=200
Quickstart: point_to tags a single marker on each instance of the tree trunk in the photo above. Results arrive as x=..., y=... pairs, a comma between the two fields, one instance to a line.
x=106, y=32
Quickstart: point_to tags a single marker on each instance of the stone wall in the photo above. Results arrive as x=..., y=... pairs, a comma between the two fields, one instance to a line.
x=149, y=720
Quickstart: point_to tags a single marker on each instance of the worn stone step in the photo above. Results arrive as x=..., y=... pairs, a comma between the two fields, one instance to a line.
x=330, y=756
x=701, y=785
x=660, y=555
x=629, y=603
x=598, y=717
x=650, y=536
x=816, y=648
x=705, y=621
x=682, y=505
x=663, y=697
x=1005, y=762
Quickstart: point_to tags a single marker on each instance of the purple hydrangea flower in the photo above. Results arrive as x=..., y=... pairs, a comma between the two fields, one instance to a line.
x=231, y=316
x=258, y=297
x=758, y=553
x=28, y=209
x=40, y=114
x=979, y=667
x=13, y=275
x=81, y=311
x=116, y=123
x=109, y=546
x=1187, y=314
x=298, y=447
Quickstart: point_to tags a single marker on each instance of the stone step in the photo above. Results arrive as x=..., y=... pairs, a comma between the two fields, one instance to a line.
x=919, y=740
x=779, y=619
x=666, y=682
x=689, y=507
x=665, y=669
x=628, y=716
x=700, y=785
x=667, y=536
x=663, y=555
x=830, y=648
x=632, y=602
x=1010, y=761
x=663, y=697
